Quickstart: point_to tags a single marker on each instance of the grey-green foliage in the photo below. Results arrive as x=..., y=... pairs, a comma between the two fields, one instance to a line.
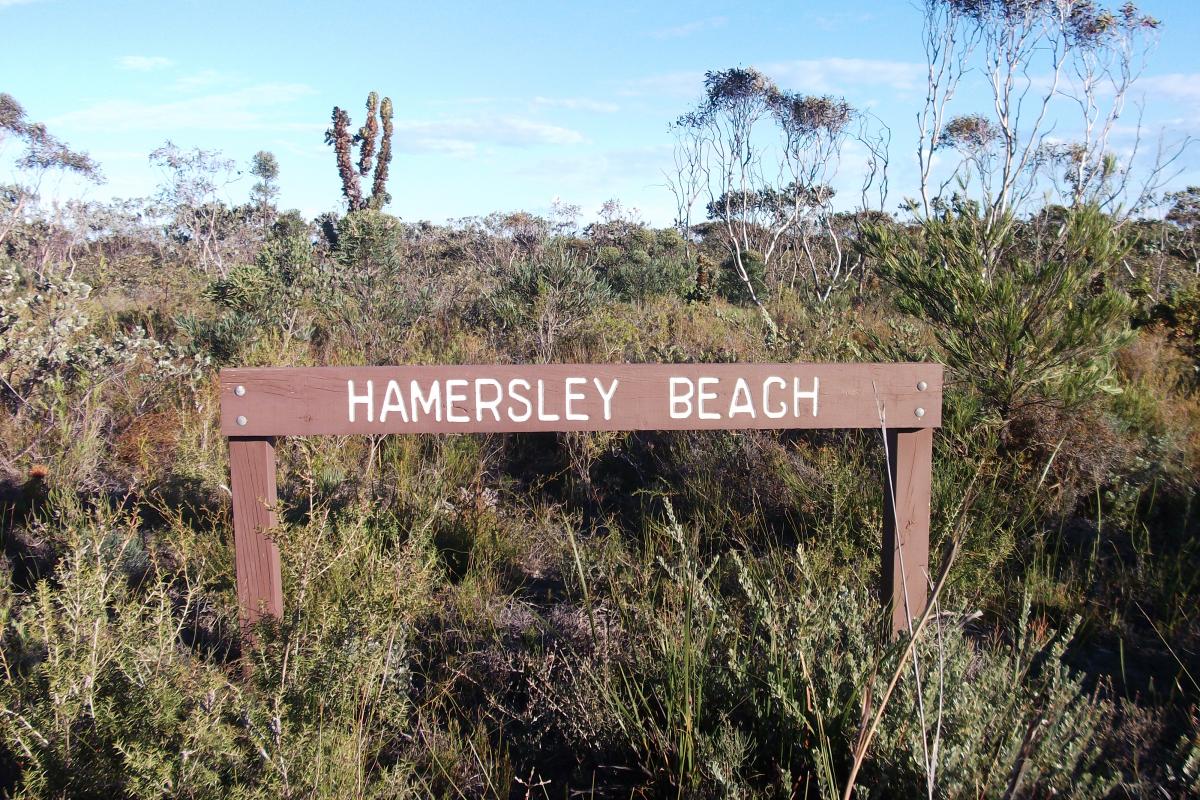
x=1004, y=718
x=371, y=290
x=273, y=289
x=370, y=247
x=1014, y=720
x=49, y=344
x=249, y=300
x=639, y=263
x=100, y=695
x=274, y=294
x=98, y=700
x=43, y=330
x=288, y=250
x=1189, y=757
x=1023, y=315
x=642, y=276
x=550, y=296
x=368, y=269
x=758, y=676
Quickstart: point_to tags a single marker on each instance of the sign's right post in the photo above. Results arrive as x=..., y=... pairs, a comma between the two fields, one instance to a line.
x=906, y=498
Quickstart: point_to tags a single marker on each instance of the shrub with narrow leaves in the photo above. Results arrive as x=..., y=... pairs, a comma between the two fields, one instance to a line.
x=1020, y=323
x=48, y=342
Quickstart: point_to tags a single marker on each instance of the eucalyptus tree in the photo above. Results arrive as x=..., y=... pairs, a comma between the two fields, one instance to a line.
x=40, y=154
x=1035, y=58
x=764, y=159
x=192, y=204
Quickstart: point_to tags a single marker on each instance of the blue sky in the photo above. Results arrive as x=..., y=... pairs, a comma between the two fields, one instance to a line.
x=498, y=106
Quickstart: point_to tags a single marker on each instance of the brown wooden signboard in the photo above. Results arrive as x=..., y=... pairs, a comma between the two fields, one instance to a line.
x=904, y=400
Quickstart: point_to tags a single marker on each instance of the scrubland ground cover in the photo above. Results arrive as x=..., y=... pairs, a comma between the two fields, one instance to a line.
x=612, y=614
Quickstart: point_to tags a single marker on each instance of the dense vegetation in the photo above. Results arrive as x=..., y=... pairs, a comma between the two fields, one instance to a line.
x=598, y=615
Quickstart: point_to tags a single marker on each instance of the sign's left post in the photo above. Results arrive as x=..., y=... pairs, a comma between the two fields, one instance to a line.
x=252, y=481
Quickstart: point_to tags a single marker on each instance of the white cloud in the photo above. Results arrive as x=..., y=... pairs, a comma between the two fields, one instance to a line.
x=577, y=104
x=264, y=107
x=462, y=137
x=838, y=21
x=203, y=79
x=244, y=109
x=455, y=148
x=835, y=74
x=689, y=28
x=674, y=84
x=1180, y=85
x=641, y=166
x=7, y=3
x=465, y=101
x=633, y=175
x=144, y=63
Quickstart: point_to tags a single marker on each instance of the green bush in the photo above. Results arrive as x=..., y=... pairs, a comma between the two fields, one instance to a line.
x=370, y=296
x=121, y=710
x=548, y=297
x=288, y=250
x=51, y=348
x=609, y=255
x=730, y=284
x=757, y=677
x=1020, y=324
x=251, y=301
x=642, y=277
x=370, y=245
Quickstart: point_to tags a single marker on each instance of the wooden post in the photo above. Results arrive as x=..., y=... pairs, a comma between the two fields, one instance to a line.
x=252, y=480
x=906, y=492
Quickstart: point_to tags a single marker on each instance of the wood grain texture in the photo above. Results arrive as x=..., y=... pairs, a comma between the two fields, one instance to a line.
x=562, y=397
x=252, y=481
x=905, y=585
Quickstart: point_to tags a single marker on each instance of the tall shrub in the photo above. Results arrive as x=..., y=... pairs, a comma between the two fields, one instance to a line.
x=1039, y=325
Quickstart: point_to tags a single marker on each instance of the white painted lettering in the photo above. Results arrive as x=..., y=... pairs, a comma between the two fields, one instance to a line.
x=799, y=395
x=492, y=405
x=571, y=396
x=541, y=400
x=428, y=402
x=606, y=396
x=678, y=400
x=702, y=395
x=774, y=379
x=523, y=399
x=367, y=400
x=454, y=414
x=743, y=406
x=392, y=401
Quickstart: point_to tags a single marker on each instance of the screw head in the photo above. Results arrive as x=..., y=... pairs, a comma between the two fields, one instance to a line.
x=920, y=412
x=242, y=420
x=922, y=386
x=239, y=390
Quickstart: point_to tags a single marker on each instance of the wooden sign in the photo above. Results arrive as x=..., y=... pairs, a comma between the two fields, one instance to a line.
x=575, y=397
x=904, y=400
